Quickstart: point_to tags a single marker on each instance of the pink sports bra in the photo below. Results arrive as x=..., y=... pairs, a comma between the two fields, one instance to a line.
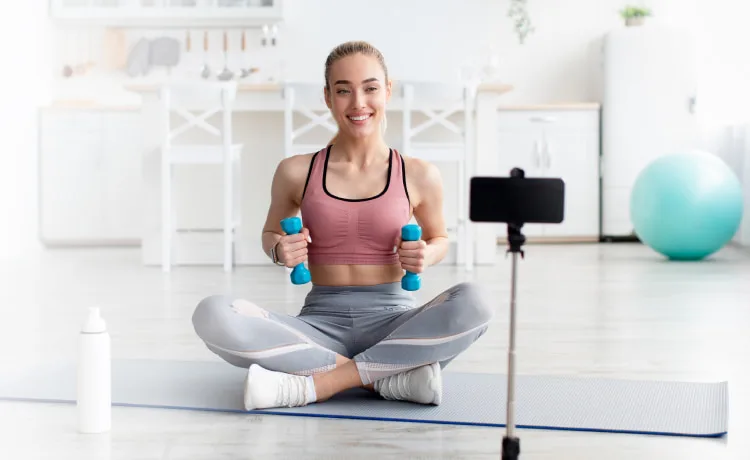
x=354, y=231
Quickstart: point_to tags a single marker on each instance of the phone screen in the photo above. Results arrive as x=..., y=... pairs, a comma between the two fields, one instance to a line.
x=517, y=200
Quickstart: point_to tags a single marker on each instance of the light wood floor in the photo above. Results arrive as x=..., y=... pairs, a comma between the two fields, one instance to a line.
x=613, y=310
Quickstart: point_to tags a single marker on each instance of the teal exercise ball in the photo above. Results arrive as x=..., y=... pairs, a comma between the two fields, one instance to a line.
x=686, y=206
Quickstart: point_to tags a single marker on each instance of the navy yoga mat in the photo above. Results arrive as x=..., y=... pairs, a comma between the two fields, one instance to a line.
x=543, y=402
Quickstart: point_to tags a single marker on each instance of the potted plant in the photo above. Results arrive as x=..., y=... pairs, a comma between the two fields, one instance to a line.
x=635, y=15
x=521, y=20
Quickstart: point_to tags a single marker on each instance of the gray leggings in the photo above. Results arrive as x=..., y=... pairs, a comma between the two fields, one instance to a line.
x=378, y=327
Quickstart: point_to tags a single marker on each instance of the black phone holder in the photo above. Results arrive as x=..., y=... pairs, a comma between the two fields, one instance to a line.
x=515, y=200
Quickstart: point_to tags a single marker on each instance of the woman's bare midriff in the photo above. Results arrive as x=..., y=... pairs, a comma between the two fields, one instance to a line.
x=355, y=275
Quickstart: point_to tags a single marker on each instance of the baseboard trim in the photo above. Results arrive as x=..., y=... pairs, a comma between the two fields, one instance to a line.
x=503, y=241
x=619, y=239
x=89, y=243
x=740, y=246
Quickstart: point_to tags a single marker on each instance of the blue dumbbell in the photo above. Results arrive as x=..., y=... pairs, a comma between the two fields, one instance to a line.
x=411, y=281
x=291, y=226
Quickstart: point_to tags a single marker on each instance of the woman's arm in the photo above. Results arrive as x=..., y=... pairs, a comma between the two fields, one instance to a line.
x=425, y=186
x=286, y=194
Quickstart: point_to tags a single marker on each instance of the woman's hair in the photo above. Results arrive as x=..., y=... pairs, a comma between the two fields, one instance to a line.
x=349, y=49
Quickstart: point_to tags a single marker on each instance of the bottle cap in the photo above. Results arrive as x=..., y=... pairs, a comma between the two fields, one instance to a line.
x=94, y=323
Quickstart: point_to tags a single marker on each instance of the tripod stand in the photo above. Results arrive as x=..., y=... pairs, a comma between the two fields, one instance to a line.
x=515, y=200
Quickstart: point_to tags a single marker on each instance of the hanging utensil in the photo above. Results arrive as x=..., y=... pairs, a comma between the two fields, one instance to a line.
x=243, y=46
x=84, y=67
x=67, y=70
x=205, y=70
x=226, y=74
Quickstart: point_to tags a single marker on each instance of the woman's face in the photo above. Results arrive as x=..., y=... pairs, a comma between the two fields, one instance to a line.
x=358, y=95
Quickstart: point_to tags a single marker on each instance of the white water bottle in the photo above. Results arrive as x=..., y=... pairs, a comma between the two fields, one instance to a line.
x=94, y=401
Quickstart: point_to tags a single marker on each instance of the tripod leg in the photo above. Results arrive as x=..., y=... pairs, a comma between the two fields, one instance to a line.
x=512, y=352
x=511, y=444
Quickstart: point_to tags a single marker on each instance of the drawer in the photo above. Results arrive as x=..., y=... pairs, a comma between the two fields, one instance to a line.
x=574, y=119
x=71, y=128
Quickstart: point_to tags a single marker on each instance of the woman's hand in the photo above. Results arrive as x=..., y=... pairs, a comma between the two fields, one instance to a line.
x=411, y=255
x=292, y=249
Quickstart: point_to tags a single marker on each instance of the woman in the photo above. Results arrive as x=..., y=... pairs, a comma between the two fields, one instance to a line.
x=358, y=328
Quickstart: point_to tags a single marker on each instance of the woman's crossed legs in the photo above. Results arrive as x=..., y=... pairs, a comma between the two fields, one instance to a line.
x=344, y=338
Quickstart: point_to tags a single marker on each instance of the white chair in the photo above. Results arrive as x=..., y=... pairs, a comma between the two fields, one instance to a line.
x=439, y=102
x=196, y=102
x=308, y=100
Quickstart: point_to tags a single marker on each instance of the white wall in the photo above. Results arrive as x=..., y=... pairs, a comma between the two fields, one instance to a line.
x=21, y=91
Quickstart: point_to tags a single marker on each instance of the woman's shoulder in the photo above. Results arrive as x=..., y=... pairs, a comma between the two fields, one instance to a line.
x=421, y=171
x=291, y=176
x=423, y=179
x=295, y=168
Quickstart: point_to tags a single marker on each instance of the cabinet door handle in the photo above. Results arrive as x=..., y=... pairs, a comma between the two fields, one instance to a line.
x=547, y=156
x=541, y=119
x=537, y=152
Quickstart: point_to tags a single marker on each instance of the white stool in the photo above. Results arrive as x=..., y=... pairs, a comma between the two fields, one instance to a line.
x=438, y=102
x=307, y=99
x=208, y=99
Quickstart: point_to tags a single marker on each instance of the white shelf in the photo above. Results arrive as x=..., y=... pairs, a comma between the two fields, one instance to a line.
x=167, y=14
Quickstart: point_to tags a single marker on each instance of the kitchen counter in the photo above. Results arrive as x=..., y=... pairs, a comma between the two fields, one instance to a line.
x=69, y=104
x=253, y=97
x=499, y=88
x=494, y=87
x=552, y=106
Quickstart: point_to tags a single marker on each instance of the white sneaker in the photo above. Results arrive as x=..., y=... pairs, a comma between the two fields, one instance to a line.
x=423, y=385
x=265, y=389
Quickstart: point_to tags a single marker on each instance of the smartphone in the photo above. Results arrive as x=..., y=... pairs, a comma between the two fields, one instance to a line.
x=519, y=200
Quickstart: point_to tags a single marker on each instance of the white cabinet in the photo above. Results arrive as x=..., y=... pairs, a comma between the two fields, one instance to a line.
x=89, y=176
x=561, y=143
x=169, y=13
x=650, y=78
